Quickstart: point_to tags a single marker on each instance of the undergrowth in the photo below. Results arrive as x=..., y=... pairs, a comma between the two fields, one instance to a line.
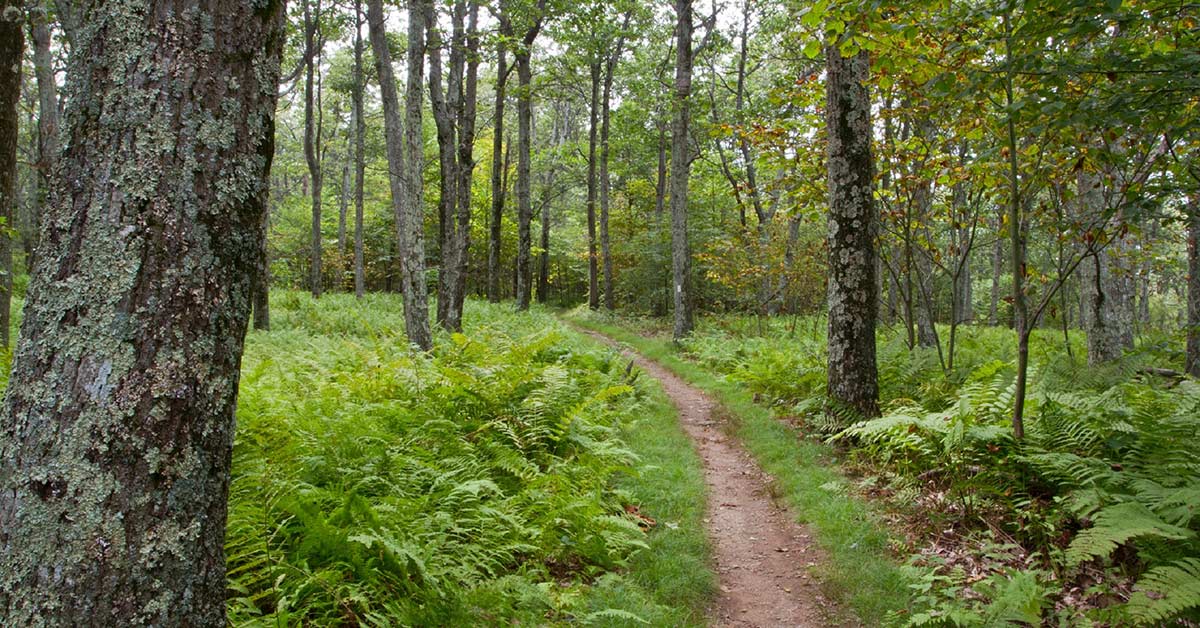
x=1090, y=520
x=497, y=480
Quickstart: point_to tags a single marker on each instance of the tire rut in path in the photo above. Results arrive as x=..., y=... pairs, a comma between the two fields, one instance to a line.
x=762, y=555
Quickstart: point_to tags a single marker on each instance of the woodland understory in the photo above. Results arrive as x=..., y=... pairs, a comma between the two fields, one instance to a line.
x=299, y=304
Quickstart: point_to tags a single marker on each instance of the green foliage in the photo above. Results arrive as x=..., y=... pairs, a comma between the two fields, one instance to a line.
x=378, y=486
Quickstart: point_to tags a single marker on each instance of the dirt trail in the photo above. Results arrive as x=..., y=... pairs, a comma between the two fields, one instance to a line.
x=762, y=555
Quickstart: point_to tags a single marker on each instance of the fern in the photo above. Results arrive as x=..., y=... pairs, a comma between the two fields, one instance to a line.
x=1118, y=524
x=1175, y=588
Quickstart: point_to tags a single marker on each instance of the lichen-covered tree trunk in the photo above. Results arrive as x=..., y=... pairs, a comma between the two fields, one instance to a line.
x=116, y=433
x=1193, y=285
x=593, y=118
x=403, y=143
x=1107, y=283
x=12, y=47
x=852, y=373
x=681, y=253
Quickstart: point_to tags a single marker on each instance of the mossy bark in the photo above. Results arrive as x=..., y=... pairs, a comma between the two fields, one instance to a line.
x=853, y=223
x=116, y=433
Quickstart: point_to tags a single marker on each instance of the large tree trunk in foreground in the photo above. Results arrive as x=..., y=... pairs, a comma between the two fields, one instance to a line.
x=404, y=164
x=116, y=434
x=681, y=253
x=852, y=374
x=12, y=46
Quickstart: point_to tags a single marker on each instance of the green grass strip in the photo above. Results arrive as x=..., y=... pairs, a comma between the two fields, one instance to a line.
x=671, y=583
x=861, y=572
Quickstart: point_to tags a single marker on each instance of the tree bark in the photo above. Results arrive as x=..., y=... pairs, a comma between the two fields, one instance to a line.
x=360, y=165
x=116, y=433
x=852, y=372
x=444, y=103
x=1193, y=286
x=12, y=50
x=681, y=254
x=610, y=70
x=593, y=118
x=1106, y=283
x=404, y=153
x=312, y=148
x=523, y=56
x=466, y=156
x=43, y=67
x=498, y=167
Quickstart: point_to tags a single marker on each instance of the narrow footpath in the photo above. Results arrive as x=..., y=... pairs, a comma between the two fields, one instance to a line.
x=762, y=555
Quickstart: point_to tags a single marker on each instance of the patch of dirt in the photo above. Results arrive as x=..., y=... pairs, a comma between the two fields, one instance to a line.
x=763, y=557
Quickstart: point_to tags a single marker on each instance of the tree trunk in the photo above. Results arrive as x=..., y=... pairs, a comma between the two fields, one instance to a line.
x=43, y=67
x=116, y=434
x=852, y=373
x=344, y=195
x=466, y=158
x=498, y=167
x=610, y=70
x=524, y=154
x=681, y=254
x=593, y=118
x=12, y=50
x=312, y=148
x=404, y=163
x=260, y=287
x=1107, y=283
x=360, y=164
x=444, y=103
x=1193, y=285
x=997, y=269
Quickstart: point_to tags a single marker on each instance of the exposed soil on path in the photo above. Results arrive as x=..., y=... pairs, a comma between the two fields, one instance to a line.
x=762, y=555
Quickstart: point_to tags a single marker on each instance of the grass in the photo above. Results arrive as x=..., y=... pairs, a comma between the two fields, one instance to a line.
x=860, y=571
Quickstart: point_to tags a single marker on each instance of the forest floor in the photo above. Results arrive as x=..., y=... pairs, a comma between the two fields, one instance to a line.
x=763, y=557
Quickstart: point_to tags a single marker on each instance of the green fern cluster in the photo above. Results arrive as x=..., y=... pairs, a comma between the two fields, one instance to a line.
x=374, y=485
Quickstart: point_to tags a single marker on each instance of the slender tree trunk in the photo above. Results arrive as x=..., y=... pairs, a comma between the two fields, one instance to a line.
x=360, y=164
x=344, y=195
x=1193, y=285
x=593, y=118
x=405, y=163
x=498, y=168
x=1016, y=232
x=466, y=157
x=524, y=154
x=117, y=429
x=43, y=67
x=312, y=147
x=852, y=373
x=681, y=254
x=661, y=302
x=444, y=102
x=997, y=269
x=12, y=50
x=610, y=70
